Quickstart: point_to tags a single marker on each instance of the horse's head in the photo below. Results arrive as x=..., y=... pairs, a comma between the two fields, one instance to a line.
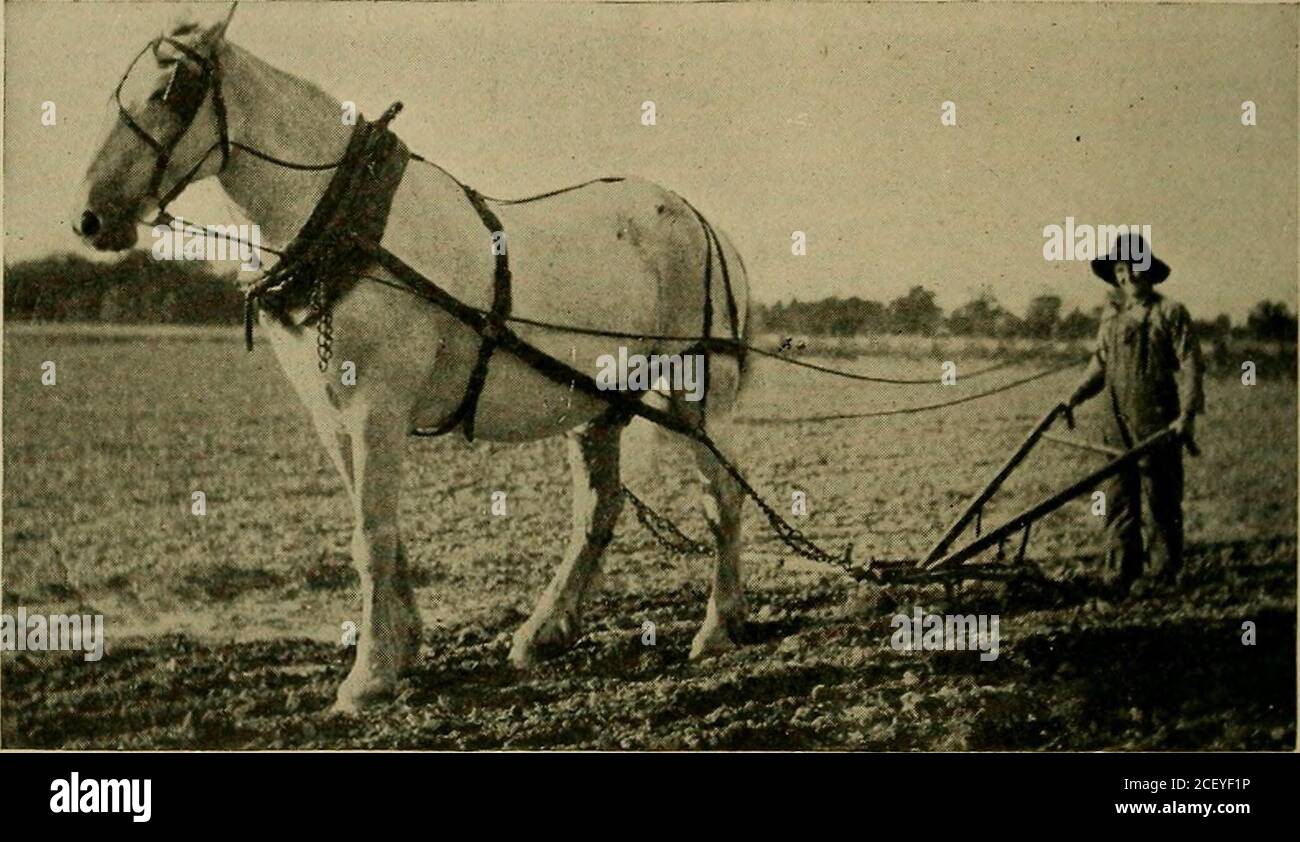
x=168, y=123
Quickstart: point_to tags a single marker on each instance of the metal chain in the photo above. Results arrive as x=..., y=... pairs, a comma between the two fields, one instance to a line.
x=798, y=542
x=671, y=538
x=324, y=324
x=664, y=531
x=790, y=535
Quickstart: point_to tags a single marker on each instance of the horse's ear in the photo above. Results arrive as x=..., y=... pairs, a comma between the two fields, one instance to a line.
x=183, y=26
x=202, y=34
x=212, y=33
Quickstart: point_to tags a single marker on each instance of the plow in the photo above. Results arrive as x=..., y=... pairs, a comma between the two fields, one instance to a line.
x=945, y=564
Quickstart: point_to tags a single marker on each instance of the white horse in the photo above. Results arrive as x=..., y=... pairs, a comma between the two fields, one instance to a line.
x=628, y=256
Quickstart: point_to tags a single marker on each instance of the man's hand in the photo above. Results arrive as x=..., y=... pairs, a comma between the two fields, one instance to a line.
x=1078, y=397
x=1184, y=427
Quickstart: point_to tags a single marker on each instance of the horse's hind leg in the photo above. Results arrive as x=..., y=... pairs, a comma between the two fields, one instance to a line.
x=597, y=501
x=722, y=501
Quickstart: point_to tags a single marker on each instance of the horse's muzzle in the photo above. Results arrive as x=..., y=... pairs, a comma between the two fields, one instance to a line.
x=94, y=232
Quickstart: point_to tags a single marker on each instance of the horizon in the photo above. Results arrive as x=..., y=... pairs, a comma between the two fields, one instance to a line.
x=946, y=312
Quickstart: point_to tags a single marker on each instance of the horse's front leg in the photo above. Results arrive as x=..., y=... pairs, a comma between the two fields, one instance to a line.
x=390, y=625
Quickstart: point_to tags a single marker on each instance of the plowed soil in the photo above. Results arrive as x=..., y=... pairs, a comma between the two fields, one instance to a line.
x=225, y=631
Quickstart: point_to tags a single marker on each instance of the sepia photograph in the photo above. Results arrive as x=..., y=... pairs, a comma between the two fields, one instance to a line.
x=649, y=377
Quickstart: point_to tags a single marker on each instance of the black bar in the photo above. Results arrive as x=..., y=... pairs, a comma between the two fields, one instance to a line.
x=975, y=793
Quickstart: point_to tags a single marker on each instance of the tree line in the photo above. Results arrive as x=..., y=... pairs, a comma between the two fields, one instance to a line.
x=139, y=289
x=133, y=289
x=917, y=313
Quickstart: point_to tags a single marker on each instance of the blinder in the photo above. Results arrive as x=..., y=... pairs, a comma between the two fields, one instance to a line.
x=186, y=90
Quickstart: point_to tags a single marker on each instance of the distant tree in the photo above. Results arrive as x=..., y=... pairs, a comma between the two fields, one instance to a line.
x=915, y=312
x=1041, y=316
x=1077, y=325
x=1009, y=327
x=855, y=316
x=134, y=288
x=977, y=317
x=1217, y=328
x=1271, y=321
x=171, y=309
x=113, y=305
x=832, y=316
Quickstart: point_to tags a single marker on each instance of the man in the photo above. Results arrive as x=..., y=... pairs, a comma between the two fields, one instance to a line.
x=1148, y=364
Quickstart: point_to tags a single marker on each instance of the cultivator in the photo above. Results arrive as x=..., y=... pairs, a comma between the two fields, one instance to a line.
x=943, y=564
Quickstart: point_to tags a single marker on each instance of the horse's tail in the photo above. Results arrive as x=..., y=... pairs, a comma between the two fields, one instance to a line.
x=725, y=274
x=728, y=269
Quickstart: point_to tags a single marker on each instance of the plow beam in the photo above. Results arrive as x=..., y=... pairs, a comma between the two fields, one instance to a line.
x=1092, y=447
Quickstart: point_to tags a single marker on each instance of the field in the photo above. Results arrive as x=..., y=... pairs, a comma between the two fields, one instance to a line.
x=225, y=630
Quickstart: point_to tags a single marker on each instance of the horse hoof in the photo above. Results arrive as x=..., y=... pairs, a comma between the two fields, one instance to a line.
x=535, y=642
x=711, y=640
x=358, y=692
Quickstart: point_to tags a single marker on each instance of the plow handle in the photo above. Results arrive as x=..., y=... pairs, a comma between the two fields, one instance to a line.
x=973, y=507
x=1052, y=502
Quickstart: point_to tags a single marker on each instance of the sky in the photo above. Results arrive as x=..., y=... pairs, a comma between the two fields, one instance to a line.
x=776, y=118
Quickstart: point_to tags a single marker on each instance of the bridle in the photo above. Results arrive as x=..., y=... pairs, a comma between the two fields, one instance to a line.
x=184, y=96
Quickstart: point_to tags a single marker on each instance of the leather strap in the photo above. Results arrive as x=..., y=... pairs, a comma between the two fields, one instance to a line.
x=494, y=330
x=354, y=207
x=490, y=329
x=559, y=372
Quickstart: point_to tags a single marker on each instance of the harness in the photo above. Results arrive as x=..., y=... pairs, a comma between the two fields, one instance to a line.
x=344, y=234
x=493, y=326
